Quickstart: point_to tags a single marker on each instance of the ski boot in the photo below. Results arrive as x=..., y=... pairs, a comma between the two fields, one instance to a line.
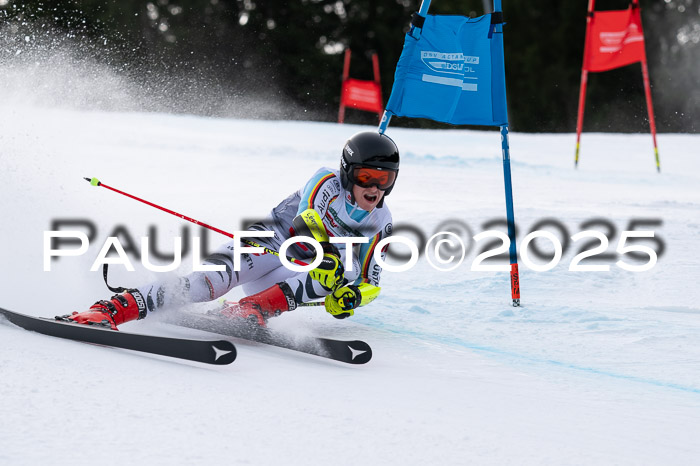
x=122, y=307
x=259, y=307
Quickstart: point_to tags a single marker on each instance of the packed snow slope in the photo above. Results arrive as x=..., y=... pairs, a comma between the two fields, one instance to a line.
x=594, y=368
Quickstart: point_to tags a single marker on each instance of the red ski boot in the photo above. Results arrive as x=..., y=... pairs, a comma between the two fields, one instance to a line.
x=123, y=307
x=261, y=306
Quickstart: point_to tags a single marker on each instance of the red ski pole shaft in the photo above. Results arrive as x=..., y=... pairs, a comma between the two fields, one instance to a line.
x=96, y=182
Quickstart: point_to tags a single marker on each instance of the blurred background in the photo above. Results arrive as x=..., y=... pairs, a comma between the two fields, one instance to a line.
x=277, y=59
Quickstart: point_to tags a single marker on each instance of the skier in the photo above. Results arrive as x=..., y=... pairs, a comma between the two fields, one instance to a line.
x=348, y=202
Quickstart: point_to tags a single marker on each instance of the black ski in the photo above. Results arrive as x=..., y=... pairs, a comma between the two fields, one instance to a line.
x=210, y=352
x=351, y=352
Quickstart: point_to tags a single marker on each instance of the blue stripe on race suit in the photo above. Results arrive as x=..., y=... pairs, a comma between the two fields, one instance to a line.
x=309, y=196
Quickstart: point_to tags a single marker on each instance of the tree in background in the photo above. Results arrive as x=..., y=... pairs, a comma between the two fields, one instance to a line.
x=208, y=56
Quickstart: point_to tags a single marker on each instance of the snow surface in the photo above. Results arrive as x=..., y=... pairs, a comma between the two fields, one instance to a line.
x=595, y=368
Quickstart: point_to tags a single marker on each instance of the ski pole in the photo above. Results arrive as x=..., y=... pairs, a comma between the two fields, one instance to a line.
x=96, y=182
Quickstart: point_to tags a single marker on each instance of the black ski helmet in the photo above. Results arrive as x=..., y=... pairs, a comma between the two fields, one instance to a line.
x=368, y=149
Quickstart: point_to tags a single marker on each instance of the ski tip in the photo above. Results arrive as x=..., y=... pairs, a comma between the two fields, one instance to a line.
x=360, y=352
x=224, y=352
x=93, y=181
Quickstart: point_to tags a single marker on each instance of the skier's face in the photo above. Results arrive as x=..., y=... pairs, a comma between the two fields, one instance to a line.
x=367, y=198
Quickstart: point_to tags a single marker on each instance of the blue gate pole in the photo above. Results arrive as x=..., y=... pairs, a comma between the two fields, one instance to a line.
x=386, y=117
x=384, y=123
x=514, y=275
x=505, y=147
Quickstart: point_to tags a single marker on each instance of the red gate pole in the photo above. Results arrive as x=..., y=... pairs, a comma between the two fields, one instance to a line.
x=346, y=73
x=650, y=111
x=584, y=81
x=647, y=92
x=377, y=80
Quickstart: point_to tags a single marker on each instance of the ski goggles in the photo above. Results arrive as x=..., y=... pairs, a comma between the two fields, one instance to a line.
x=366, y=177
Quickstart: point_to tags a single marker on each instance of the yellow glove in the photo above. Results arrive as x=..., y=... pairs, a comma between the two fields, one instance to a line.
x=330, y=273
x=342, y=302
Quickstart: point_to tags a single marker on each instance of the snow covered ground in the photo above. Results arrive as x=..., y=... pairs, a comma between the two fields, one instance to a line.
x=594, y=368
